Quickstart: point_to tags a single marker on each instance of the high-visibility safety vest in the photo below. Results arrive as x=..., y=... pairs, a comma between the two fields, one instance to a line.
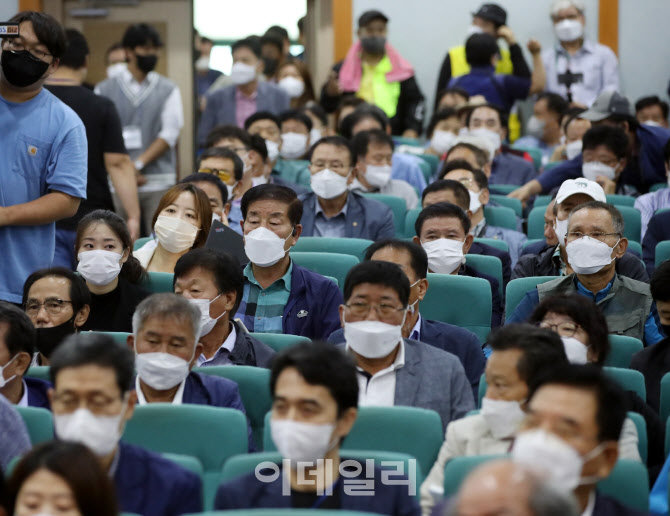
x=460, y=66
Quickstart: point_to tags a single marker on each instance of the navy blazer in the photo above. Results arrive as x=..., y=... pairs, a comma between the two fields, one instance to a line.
x=503, y=256
x=247, y=492
x=37, y=392
x=249, y=350
x=221, y=107
x=365, y=218
x=496, y=302
x=150, y=485
x=607, y=506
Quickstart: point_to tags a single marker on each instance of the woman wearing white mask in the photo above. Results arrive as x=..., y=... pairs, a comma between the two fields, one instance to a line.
x=442, y=131
x=294, y=78
x=105, y=260
x=295, y=129
x=181, y=222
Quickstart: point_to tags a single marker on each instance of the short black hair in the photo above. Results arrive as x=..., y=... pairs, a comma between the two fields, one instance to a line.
x=298, y=116
x=21, y=334
x=582, y=311
x=541, y=349
x=208, y=178
x=461, y=193
x=362, y=141
x=481, y=156
x=652, y=100
x=660, y=282
x=301, y=24
x=378, y=273
x=455, y=164
x=250, y=42
x=336, y=141
x=79, y=293
x=76, y=50
x=480, y=49
x=225, y=153
x=317, y=111
x=555, y=103
x=141, y=34
x=261, y=115
x=456, y=90
x=443, y=209
x=442, y=114
x=227, y=131
x=278, y=30
x=320, y=364
x=610, y=398
x=112, y=48
x=614, y=138
x=362, y=112
x=224, y=268
x=418, y=256
x=502, y=115
x=258, y=145
x=90, y=348
x=273, y=192
x=272, y=38
x=47, y=29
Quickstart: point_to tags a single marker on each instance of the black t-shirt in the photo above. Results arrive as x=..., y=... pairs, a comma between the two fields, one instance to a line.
x=114, y=311
x=104, y=134
x=308, y=500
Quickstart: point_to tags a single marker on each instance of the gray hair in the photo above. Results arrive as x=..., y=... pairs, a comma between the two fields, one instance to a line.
x=166, y=306
x=617, y=218
x=559, y=5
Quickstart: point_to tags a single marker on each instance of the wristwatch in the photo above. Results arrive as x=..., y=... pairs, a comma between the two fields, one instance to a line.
x=139, y=165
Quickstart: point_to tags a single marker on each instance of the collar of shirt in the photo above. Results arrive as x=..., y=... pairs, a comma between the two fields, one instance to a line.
x=397, y=363
x=129, y=79
x=23, y=402
x=319, y=210
x=114, y=464
x=141, y=400
x=415, y=334
x=599, y=295
x=285, y=279
x=227, y=346
x=590, y=505
x=588, y=47
x=478, y=230
x=241, y=96
x=558, y=260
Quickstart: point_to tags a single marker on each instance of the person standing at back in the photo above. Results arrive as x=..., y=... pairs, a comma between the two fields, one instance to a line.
x=152, y=116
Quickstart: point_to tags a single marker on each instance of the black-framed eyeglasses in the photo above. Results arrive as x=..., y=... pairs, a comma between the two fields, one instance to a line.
x=38, y=55
x=363, y=309
x=564, y=329
x=53, y=306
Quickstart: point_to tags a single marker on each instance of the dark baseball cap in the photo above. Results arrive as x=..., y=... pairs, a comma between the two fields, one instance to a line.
x=607, y=104
x=368, y=16
x=492, y=12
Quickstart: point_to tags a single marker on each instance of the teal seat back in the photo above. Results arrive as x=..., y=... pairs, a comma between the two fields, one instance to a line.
x=642, y=438
x=536, y=222
x=542, y=201
x=353, y=246
x=433, y=161
x=279, y=341
x=517, y=288
x=458, y=468
x=662, y=252
x=119, y=337
x=622, y=349
x=509, y=202
x=398, y=207
x=39, y=423
x=410, y=220
x=658, y=186
x=632, y=222
x=426, y=170
x=295, y=171
x=534, y=153
x=620, y=200
x=254, y=386
x=404, y=140
x=158, y=282
x=494, y=242
x=503, y=189
x=635, y=246
x=628, y=379
x=140, y=242
x=280, y=512
x=39, y=372
x=482, y=390
x=500, y=216
x=446, y=298
x=664, y=411
x=327, y=264
x=490, y=265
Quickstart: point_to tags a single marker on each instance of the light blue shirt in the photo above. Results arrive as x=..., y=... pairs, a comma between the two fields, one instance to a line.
x=406, y=168
x=333, y=227
x=44, y=149
x=647, y=205
x=235, y=216
x=531, y=142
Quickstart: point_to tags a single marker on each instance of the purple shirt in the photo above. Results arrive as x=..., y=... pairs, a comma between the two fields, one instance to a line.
x=244, y=106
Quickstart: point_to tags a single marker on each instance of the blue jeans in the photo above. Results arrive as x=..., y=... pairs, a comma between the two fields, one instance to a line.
x=64, y=255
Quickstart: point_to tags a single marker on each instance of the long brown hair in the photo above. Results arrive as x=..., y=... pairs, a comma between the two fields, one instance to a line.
x=308, y=94
x=202, y=208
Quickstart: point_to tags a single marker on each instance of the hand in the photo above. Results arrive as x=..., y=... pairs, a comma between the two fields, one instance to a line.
x=333, y=88
x=410, y=133
x=608, y=185
x=141, y=180
x=521, y=194
x=558, y=154
x=133, y=228
x=506, y=33
x=534, y=46
x=3, y=217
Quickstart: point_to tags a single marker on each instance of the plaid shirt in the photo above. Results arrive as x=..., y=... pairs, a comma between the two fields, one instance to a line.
x=262, y=310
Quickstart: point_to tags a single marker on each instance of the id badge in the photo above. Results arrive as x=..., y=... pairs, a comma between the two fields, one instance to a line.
x=132, y=137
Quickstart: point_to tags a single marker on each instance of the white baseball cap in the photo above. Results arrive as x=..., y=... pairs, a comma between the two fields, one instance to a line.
x=580, y=186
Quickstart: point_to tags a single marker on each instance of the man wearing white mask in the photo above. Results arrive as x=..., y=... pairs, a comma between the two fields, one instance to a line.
x=374, y=152
x=594, y=240
x=570, y=435
x=92, y=399
x=521, y=354
x=235, y=103
x=214, y=282
x=331, y=210
x=577, y=68
x=315, y=404
x=279, y=296
x=543, y=128
x=295, y=134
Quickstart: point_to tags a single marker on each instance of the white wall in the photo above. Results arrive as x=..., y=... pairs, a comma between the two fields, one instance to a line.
x=8, y=8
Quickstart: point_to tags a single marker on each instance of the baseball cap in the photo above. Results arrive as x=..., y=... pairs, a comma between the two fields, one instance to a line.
x=607, y=104
x=369, y=16
x=580, y=186
x=492, y=12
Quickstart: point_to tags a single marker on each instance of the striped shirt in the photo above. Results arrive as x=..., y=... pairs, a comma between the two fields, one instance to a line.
x=262, y=310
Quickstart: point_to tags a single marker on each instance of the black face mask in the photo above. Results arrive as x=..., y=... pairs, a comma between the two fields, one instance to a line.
x=374, y=44
x=270, y=66
x=666, y=329
x=48, y=339
x=21, y=69
x=147, y=63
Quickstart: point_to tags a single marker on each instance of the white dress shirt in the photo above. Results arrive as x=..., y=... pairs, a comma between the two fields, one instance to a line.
x=141, y=400
x=23, y=402
x=380, y=389
x=591, y=505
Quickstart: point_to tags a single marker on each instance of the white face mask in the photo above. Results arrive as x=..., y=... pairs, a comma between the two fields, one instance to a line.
x=202, y=64
x=206, y=321
x=99, y=267
x=263, y=247
x=242, y=73
x=573, y=149
x=651, y=123
x=216, y=217
x=535, y=127
x=575, y=350
x=260, y=180
x=378, y=175
x=493, y=137
x=373, y=339
x=174, y=234
x=231, y=189
x=442, y=140
x=552, y=458
x=475, y=203
x=444, y=255
x=412, y=308
x=293, y=86
x=474, y=29
x=561, y=230
x=328, y=184
x=100, y=434
x=569, y=30
x=587, y=255
x=302, y=442
x=273, y=149
x=593, y=169
x=4, y=381
x=116, y=69
x=161, y=371
x=293, y=145
x=314, y=135
x=502, y=417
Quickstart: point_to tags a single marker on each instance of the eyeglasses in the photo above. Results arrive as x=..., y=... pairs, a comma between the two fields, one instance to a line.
x=52, y=305
x=38, y=55
x=335, y=166
x=363, y=309
x=565, y=329
x=223, y=175
x=598, y=235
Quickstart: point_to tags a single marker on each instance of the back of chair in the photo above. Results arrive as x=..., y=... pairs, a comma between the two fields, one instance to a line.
x=662, y=252
x=39, y=423
x=622, y=349
x=628, y=379
x=494, y=242
x=158, y=282
x=458, y=468
x=490, y=265
x=517, y=288
x=327, y=264
x=508, y=202
x=665, y=398
x=140, y=242
x=500, y=216
x=353, y=246
x=279, y=341
x=39, y=372
x=620, y=200
x=119, y=337
x=410, y=220
x=536, y=222
x=398, y=207
x=632, y=223
x=642, y=436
